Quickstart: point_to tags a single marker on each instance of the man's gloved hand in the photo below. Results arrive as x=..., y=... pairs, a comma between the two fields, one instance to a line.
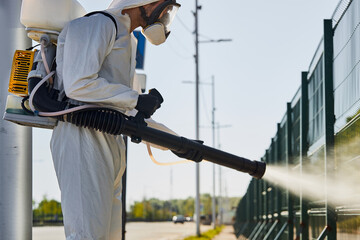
x=148, y=104
x=191, y=154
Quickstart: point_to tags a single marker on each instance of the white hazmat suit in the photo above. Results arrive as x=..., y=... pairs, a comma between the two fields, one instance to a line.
x=94, y=66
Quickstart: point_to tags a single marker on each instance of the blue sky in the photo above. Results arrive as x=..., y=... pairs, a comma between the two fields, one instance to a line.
x=255, y=76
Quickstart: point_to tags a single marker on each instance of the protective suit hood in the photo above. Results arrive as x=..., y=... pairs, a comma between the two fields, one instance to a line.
x=125, y=4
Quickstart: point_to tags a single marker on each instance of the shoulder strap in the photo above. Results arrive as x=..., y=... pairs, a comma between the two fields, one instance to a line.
x=105, y=14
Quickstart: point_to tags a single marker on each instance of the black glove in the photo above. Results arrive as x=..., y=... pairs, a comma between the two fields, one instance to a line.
x=190, y=154
x=148, y=104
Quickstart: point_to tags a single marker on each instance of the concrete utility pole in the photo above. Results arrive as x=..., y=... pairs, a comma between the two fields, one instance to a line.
x=197, y=200
x=15, y=141
x=197, y=83
x=220, y=197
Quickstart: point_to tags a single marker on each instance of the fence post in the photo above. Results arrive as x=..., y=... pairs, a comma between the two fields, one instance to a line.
x=329, y=123
x=278, y=161
x=304, y=125
x=248, y=203
x=288, y=161
x=261, y=197
x=252, y=200
x=272, y=194
x=266, y=196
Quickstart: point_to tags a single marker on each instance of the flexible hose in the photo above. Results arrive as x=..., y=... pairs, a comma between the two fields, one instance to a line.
x=162, y=164
x=24, y=107
x=43, y=57
x=67, y=111
x=49, y=77
x=58, y=113
x=90, y=116
x=36, y=88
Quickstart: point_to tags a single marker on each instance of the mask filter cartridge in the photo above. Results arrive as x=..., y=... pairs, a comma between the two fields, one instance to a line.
x=155, y=33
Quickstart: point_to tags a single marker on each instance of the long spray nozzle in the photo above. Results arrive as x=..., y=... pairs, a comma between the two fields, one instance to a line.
x=116, y=123
x=254, y=168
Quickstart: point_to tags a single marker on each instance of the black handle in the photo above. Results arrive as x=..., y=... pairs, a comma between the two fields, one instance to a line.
x=140, y=116
x=156, y=93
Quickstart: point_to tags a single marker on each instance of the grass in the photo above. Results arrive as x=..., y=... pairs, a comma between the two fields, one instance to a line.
x=208, y=235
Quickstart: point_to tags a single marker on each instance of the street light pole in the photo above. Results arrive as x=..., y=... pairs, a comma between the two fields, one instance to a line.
x=220, y=176
x=213, y=143
x=220, y=186
x=15, y=141
x=197, y=83
x=197, y=201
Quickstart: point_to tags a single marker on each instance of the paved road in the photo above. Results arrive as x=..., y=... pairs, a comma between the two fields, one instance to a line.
x=161, y=231
x=46, y=233
x=135, y=231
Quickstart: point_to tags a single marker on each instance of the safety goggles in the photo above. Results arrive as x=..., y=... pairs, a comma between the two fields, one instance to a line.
x=164, y=13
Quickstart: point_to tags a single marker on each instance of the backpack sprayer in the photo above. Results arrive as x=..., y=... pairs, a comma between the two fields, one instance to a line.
x=37, y=104
x=43, y=24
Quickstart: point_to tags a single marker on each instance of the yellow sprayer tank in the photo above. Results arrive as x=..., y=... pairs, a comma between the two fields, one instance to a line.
x=22, y=64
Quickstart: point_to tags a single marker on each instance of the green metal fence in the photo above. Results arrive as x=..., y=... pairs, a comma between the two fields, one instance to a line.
x=320, y=129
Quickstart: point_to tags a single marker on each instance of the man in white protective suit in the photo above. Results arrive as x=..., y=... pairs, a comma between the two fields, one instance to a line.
x=96, y=64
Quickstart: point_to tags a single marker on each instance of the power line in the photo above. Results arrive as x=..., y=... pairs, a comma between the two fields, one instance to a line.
x=184, y=25
x=204, y=104
x=181, y=43
x=177, y=53
x=210, y=39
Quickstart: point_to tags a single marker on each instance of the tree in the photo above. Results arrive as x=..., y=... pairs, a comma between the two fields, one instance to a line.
x=137, y=210
x=48, y=210
x=158, y=210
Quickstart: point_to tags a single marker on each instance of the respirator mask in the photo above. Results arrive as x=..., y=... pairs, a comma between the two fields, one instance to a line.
x=158, y=23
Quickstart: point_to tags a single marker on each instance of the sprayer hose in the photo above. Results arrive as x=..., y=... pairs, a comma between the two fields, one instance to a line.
x=104, y=120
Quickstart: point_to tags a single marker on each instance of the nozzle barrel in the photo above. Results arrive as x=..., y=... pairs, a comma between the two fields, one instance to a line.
x=172, y=142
